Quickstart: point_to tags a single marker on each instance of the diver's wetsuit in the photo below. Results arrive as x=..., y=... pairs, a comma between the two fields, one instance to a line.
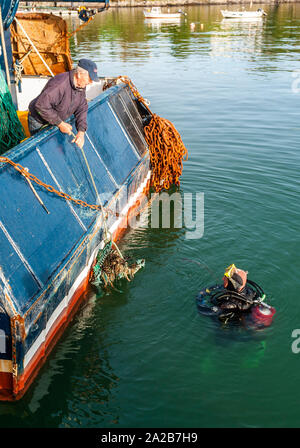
x=229, y=303
x=239, y=299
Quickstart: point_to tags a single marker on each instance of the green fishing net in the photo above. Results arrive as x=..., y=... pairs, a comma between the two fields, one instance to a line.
x=11, y=130
x=110, y=267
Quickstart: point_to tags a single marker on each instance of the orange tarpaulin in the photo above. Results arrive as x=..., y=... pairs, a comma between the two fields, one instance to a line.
x=49, y=35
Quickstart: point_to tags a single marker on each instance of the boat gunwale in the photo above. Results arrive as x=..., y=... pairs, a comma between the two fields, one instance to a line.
x=25, y=145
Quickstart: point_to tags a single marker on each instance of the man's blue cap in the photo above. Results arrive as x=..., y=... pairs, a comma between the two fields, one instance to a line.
x=91, y=67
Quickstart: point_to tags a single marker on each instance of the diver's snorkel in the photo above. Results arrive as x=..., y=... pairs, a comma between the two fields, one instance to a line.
x=260, y=302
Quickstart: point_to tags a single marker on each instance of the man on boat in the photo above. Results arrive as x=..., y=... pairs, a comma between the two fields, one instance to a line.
x=63, y=96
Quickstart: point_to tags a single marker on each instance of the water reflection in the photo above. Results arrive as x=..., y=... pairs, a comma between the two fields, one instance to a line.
x=237, y=36
x=156, y=24
x=126, y=35
x=242, y=20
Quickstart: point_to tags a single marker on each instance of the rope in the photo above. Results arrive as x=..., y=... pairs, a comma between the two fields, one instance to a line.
x=31, y=177
x=108, y=240
x=19, y=67
x=47, y=187
x=106, y=232
x=79, y=28
x=166, y=153
x=89, y=169
x=34, y=47
x=166, y=148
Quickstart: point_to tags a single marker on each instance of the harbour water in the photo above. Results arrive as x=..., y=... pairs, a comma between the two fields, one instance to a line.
x=142, y=355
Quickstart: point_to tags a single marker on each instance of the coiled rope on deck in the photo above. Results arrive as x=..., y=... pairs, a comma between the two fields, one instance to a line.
x=166, y=147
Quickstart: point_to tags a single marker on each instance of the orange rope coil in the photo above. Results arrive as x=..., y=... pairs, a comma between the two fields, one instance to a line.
x=166, y=147
x=70, y=34
x=166, y=153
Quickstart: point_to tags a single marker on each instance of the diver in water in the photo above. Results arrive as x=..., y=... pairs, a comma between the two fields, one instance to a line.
x=235, y=281
x=237, y=299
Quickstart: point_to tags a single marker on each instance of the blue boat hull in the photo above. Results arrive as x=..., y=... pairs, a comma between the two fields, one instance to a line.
x=45, y=259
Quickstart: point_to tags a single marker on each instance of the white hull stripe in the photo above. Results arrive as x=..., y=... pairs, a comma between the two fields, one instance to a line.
x=84, y=273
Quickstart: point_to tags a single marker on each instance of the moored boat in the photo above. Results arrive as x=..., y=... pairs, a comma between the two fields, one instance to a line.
x=46, y=258
x=243, y=14
x=156, y=13
x=50, y=233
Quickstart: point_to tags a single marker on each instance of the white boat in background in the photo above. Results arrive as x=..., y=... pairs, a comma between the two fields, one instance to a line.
x=243, y=14
x=156, y=13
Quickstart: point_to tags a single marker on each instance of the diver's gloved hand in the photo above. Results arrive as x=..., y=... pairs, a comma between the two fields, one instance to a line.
x=229, y=306
x=235, y=305
x=243, y=306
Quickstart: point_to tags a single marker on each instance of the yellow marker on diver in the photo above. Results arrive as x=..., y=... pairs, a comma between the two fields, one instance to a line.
x=230, y=271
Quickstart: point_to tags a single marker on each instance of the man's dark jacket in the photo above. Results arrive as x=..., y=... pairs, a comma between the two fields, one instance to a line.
x=59, y=100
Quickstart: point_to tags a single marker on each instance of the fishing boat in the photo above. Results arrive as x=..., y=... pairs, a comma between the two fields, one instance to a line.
x=48, y=243
x=156, y=13
x=243, y=14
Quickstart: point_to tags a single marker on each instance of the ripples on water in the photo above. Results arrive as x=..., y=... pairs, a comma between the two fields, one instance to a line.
x=143, y=356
